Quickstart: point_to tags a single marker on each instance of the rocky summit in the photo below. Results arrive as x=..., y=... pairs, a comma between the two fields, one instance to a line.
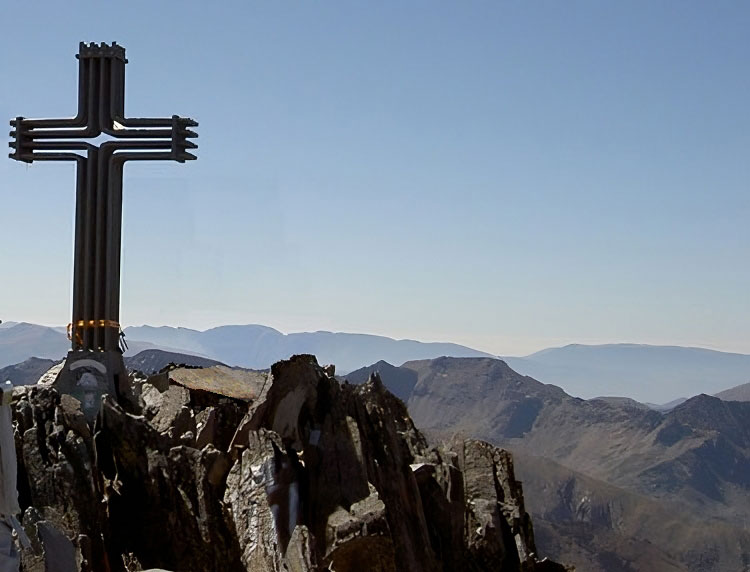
x=288, y=470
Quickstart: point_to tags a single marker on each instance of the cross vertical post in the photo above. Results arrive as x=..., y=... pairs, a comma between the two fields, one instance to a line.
x=94, y=364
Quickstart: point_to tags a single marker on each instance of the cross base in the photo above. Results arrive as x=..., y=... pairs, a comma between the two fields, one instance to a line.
x=87, y=375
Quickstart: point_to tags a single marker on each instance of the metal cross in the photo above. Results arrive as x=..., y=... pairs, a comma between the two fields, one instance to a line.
x=94, y=363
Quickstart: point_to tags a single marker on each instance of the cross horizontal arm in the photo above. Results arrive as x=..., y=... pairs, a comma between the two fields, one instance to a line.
x=112, y=145
x=123, y=128
x=55, y=157
x=177, y=138
x=61, y=145
x=123, y=157
x=54, y=133
x=155, y=121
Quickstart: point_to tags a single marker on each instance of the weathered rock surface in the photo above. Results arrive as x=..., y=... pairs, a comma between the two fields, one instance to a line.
x=294, y=472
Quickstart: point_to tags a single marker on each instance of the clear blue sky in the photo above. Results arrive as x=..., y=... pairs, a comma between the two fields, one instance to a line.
x=508, y=175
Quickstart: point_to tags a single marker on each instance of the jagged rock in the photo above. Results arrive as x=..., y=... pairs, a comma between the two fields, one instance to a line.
x=56, y=473
x=294, y=472
x=51, y=375
x=51, y=551
x=495, y=514
x=205, y=425
x=74, y=417
x=360, y=538
x=160, y=486
x=241, y=384
x=299, y=553
x=58, y=549
x=263, y=508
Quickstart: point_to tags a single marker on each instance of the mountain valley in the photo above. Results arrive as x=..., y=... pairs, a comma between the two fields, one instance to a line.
x=688, y=468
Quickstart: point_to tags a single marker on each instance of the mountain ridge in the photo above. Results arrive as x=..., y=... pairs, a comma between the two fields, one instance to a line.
x=736, y=393
x=647, y=450
x=646, y=373
x=649, y=374
x=257, y=346
x=696, y=456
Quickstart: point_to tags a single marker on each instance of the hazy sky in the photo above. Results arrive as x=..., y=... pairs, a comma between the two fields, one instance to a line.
x=507, y=175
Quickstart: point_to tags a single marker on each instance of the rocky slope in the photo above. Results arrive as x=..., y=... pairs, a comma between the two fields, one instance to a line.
x=216, y=469
x=604, y=528
x=737, y=393
x=696, y=455
x=698, y=452
x=28, y=371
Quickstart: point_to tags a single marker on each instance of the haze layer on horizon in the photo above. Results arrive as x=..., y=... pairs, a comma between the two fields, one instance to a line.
x=508, y=177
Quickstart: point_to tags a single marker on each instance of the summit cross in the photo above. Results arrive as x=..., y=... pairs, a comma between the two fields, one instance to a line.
x=94, y=364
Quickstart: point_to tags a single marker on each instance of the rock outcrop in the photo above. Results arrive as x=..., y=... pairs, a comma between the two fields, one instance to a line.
x=287, y=470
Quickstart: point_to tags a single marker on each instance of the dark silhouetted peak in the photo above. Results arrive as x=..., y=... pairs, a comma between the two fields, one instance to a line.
x=154, y=360
x=26, y=372
x=710, y=414
x=399, y=380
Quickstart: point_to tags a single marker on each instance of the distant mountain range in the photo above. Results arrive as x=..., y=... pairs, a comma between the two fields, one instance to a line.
x=251, y=346
x=655, y=374
x=19, y=342
x=619, y=485
x=649, y=374
x=258, y=347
